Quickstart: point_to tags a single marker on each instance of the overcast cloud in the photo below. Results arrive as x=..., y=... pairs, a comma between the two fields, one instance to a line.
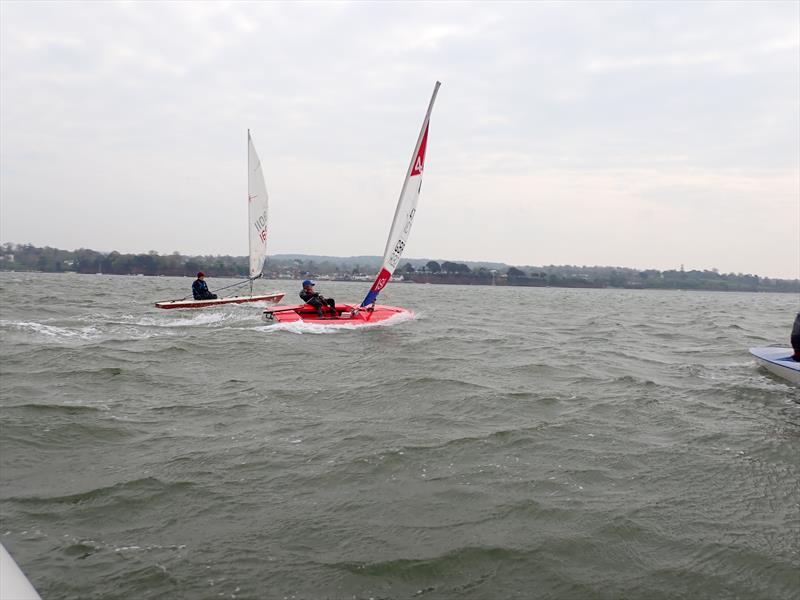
x=634, y=134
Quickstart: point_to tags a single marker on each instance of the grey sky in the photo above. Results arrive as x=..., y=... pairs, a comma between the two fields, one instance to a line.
x=632, y=134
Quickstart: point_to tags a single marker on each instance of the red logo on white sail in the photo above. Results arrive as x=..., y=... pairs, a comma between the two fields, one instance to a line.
x=419, y=159
x=382, y=280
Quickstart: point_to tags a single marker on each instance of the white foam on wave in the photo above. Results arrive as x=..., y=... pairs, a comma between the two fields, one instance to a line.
x=318, y=328
x=300, y=327
x=136, y=326
x=91, y=333
x=194, y=320
x=52, y=331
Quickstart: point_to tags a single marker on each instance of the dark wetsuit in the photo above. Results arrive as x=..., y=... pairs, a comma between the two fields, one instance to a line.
x=200, y=291
x=318, y=301
x=796, y=337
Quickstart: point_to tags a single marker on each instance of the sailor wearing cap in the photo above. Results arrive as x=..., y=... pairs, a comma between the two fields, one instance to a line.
x=317, y=300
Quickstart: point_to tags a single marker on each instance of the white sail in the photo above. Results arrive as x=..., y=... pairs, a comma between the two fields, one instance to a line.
x=257, y=207
x=406, y=208
x=256, y=210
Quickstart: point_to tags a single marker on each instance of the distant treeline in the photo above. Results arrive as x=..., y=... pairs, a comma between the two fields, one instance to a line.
x=598, y=277
x=26, y=257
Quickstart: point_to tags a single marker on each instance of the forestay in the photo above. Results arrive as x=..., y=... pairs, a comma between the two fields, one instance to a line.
x=257, y=210
x=406, y=208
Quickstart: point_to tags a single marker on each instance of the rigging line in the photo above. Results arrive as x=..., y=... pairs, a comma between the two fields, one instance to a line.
x=238, y=284
x=241, y=283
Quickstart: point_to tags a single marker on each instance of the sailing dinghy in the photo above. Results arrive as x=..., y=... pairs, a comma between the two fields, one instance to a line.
x=778, y=361
x=257, y=211
x=368, y=311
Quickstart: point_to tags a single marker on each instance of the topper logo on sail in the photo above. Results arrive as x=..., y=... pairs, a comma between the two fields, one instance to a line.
x=382, y=281
x=419, y=161
x=419, y=165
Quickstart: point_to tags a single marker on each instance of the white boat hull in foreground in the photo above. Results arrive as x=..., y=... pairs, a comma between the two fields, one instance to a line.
x=13, y=583
x=273, y=298
x=778, y=361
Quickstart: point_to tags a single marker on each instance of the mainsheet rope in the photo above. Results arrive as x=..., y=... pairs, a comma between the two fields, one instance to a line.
x=237, y=284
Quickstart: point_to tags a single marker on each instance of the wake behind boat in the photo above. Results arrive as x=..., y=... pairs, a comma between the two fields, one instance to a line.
x=368, y=311
x=257, y=213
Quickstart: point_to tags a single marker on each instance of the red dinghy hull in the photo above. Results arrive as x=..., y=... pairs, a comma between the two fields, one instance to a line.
x=274, y=298
x=347, y=314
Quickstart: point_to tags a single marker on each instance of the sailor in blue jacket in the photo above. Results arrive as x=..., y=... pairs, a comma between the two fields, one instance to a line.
x=796, y=338
x=200, y=290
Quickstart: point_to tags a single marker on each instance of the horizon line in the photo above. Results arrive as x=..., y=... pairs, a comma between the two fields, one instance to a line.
x=378, y=258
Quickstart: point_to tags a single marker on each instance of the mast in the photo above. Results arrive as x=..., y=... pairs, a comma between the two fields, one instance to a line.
x=405, y=210
x=422, y=132
x=249, y=238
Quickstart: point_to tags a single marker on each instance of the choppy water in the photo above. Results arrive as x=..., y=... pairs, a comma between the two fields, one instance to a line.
x=505, y=443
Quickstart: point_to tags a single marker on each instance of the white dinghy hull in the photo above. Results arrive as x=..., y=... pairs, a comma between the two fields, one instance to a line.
x=778, y=361
x=271, y=298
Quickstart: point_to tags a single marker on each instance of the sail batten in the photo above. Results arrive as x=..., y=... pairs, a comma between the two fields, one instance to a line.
x=257, y=210
x=406, y=209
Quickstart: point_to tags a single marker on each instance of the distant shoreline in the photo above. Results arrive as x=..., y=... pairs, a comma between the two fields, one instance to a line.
x=29, y=258
x=565, y=285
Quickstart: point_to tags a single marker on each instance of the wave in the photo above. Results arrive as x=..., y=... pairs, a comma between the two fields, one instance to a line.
x=301, y=327
x=424, y=384
x=69, y=437
x=137, y=491
x=82, y=548
x=52, y=331
x=458, y=560
x=69, y=409
x=388, y=458
x=204, y=318
x=106, y=372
